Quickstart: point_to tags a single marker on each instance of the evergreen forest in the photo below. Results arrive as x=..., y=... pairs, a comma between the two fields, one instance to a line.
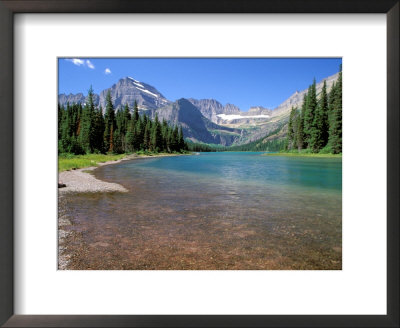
x=317, y=126
x=85, y=130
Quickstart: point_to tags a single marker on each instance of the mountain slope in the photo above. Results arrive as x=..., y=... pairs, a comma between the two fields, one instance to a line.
x=127, y=90
x=296, y=99
x=204, y=120
x=78, y=98
x=195, y=126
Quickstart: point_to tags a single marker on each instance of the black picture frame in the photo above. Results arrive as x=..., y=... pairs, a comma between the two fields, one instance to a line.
x=10, y=7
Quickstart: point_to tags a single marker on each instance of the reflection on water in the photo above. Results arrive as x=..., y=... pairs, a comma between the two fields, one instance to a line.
x=212, y=211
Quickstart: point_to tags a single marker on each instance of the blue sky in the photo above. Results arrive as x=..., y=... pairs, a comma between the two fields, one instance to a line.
x=244, y=82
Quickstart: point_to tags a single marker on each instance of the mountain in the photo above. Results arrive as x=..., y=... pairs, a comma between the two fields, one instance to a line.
x=127, y=90
x=276, y=126
x=296, y=99
x=211, y=108
x=196, y=127
x=204, y=120
x=259, y=110
x=229, y=114
x=78, y=98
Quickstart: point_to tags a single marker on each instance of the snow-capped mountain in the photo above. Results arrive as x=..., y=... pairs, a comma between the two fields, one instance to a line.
x=125, y=91
x=204, y=120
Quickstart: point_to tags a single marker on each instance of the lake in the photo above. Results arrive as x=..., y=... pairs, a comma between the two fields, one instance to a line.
x=226, y=210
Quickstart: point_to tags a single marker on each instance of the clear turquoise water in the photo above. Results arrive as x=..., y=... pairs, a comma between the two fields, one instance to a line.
x=251, y=167
x=234, y=210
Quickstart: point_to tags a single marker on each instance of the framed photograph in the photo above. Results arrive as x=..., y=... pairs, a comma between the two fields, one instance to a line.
x=208, y=164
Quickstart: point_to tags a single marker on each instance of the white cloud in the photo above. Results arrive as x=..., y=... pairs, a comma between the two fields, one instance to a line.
x=89, y=64
x=107, y=71
x=81, y=62
x=76, y=61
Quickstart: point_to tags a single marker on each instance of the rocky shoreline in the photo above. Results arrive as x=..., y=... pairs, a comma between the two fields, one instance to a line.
x=81, y=181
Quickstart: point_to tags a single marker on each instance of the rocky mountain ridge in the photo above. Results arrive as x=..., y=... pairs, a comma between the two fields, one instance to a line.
x=203, y=120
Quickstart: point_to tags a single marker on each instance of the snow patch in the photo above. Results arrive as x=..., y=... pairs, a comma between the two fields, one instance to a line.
x=138, y=84
x=238, y=117
x=150, y=93
x=131, y=78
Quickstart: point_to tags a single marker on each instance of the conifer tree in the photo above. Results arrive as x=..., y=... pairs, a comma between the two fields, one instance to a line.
x=181, y=140
x=164, y=133
x=324, y=107
x=87, y=128
x=311, y=105
x=319, y=133
x=127, y=118
x=331, y=100
x=109, y=124
x=175, y=139
x=139, y=134
x=156, y=135
x=130, y=137
x=301, y=143
x=147, y=135
x=61, y=111
x=98, y=142
x=135, y=111
x=335, y=131
x=292, y=129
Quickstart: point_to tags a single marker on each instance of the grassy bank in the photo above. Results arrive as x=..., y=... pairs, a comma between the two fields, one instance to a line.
x=70, y=161
x=301, y=154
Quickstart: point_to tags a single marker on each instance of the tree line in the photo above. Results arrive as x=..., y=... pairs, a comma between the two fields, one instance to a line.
x=84, y=129
x=317, y=126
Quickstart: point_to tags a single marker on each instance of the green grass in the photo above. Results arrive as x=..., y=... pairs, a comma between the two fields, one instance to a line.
x=223, y=132
x=69, y=161
x=302, y=154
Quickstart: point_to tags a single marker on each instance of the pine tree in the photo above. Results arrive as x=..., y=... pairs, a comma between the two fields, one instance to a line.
x=156, y=135
x=98, y=142
x=310, y=112
x=135, y=111
x=335, y=130
x=147, y=136
x=301, y=143
x=331, y=101
x=174, y=141
x=130, y=137
x=181, y=140
x=117, y=142
x=319, y=132
x=127, y=118
x=61, y=111
x=139, y=134
x=323, y=105
x=109, y=124
x=292, y=129
x=87, y=129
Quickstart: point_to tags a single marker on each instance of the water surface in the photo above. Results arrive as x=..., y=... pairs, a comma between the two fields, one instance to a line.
x=232, y=210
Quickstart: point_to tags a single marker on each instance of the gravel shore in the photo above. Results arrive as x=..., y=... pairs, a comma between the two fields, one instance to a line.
x=81, y=180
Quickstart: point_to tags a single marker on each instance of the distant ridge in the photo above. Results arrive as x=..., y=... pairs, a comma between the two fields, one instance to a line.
x=203, y=120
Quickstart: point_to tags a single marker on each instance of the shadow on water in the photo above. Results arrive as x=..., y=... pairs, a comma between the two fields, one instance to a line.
x=212, y=211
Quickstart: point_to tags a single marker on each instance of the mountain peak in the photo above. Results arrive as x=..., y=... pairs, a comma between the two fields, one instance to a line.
x=128, y=90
